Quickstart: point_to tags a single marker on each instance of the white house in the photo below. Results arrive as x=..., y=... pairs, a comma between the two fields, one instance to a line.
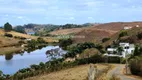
x=127, y=27
x=127, y=49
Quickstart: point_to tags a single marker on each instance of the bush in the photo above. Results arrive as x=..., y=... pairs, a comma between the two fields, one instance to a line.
x=22, y=38
x=123, y=33
x=65, y=42
x=123, y=60
x=136, y=67
x=40, y=40
x=19, y=37
x=112, y=59
x=8, y=35
x=105, y=39
x=21, y=42
x=139, y=35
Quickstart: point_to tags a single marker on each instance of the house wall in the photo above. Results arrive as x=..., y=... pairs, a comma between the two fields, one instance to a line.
x=129, y=50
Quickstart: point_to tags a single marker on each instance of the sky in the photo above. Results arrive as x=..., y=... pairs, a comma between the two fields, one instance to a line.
x=19, y=12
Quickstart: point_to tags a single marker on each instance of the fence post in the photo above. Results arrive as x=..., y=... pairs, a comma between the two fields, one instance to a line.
x=92, y=72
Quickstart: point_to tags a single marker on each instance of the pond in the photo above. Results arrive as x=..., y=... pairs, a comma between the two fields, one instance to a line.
x=10, y=64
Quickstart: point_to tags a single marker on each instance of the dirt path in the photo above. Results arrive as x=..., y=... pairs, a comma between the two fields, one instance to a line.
x=118, y=71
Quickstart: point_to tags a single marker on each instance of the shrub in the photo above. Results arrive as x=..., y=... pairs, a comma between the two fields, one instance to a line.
x=40, y=40
x=136, y=67
x=65, y=42
x=22, y=38
x=139, y=35
x=19, y=37
x=8, y=35
x=123, y=33
x=105, y=39
x=21, y=42
x=113, y=59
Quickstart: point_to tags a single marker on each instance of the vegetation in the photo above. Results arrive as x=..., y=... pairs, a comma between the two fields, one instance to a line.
x=123, y=33
x=139, y=35
x=19, y=29
x=120, y=50
x=50, y=66
x=65, y=42
x=35, y=44
x=79, y=48
x=105, y=39
x=8, y=35
x=135, y=61
x=136, y=66
x=7, y=27
x=43, y=30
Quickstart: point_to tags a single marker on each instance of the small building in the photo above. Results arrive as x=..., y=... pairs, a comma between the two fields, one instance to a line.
x=127, y=27
x=137, y=26
x=127, y=49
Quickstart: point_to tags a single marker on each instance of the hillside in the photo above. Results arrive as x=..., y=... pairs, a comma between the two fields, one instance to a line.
x=67, y=31
x=117, y=26
x=75, y=73
x=2, y=32
x=92, y=35
x=97, y=32
x=43, y=29
x=131, y=36
x=6, y=41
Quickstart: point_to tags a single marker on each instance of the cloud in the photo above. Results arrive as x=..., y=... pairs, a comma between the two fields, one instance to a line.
x=63, y=11
x=20, y=17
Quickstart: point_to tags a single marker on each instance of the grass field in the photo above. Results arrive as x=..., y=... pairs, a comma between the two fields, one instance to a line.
x=7, y=50
x=76, y=73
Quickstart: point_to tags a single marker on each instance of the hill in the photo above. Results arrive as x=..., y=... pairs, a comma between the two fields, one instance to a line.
x=131, y=36
x=66, y=31
x=92, y=35
x=96, y=33
x=43, y=29
x=8, y=42
x=117, y=26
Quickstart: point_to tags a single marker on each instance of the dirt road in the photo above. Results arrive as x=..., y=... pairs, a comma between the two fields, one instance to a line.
x=118, y=71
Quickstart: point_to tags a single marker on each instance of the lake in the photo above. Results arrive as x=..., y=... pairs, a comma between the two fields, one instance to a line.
x=24, y=60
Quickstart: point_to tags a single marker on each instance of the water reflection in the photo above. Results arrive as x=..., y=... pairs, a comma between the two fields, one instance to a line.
x=8, y=56
x=55, y=53
x=11, y=63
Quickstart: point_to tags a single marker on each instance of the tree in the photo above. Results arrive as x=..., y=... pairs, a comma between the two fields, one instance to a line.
x=65, y=42
x=120, y=49
x=19, y=29
x=7, y=27
x=123, y=33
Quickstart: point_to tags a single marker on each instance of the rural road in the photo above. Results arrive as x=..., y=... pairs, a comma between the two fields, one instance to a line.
x=118, y=71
